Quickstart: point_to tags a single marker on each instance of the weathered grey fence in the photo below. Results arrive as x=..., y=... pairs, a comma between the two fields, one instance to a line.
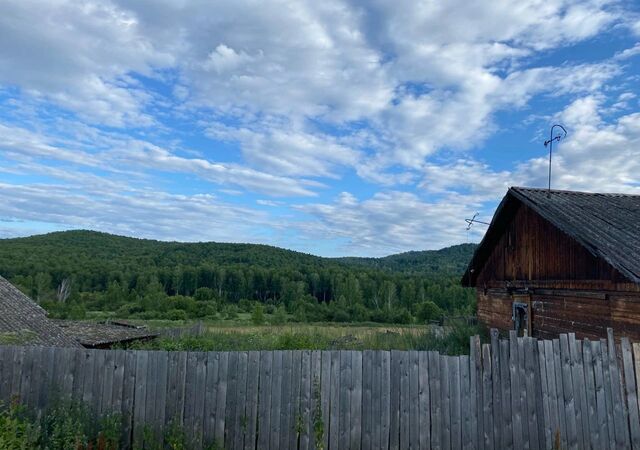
x=510, y=394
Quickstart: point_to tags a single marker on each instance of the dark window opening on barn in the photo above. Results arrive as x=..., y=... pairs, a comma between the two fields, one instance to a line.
x=520, y=317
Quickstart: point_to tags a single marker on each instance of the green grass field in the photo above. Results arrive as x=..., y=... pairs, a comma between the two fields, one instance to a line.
x=242, y=335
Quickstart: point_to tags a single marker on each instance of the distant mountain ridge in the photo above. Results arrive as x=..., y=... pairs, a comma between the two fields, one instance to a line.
x=83, y=245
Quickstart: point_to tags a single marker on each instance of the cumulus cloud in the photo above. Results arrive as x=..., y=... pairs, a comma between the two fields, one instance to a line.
x=291, y=99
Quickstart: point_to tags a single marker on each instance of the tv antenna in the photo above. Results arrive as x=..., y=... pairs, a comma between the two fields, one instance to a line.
x=473, y=220
x=550, y=144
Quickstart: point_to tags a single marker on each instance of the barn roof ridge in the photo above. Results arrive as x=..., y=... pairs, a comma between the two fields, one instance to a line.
x=606, y=224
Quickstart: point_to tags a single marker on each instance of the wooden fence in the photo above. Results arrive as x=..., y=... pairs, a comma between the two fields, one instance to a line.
x=518, y=393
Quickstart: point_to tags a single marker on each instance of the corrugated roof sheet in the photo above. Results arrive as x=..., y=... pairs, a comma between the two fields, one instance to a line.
x=22, y=321
x=607, y=225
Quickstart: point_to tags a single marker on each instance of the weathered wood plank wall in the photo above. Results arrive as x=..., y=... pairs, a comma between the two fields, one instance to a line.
x=513, y=394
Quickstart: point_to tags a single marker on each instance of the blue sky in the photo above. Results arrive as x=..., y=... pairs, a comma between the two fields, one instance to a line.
x=333, y=128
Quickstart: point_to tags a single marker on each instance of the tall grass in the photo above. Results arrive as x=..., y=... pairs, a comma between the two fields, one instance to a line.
x=452, y=339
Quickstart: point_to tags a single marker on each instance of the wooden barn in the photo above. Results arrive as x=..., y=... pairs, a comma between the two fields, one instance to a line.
x=560, y=261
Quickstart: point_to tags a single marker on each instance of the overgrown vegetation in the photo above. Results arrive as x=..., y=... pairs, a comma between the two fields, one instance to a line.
x=80, y=274
x=64, y=425
x=452, y=339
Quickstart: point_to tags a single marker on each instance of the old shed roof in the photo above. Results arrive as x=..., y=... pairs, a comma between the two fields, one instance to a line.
x=94, y=334
x=607, y=225
x=23, y=322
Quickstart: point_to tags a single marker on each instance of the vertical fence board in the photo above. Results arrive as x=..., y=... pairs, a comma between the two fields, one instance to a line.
x=456, y=410
x=435, y=400
x=505, y=398
x=601, y=406
x=140, y=398
x=621, y=428
x=294, y=409
x=276, y=387
x=394, y=426
x=209, y=418
x=487, y=398
x=334, y=425
x=385, y=400
x=425, y=422
x=264, y=400
x=221, y=399
x=306, y=391
x=588, y=363
x=530, y=385
x=445, y=395
x=630, y=390
x=545, y=420
x=367, y=398
x=498, y=426
x=324, y=384
x=405, y=435
x=241, y=402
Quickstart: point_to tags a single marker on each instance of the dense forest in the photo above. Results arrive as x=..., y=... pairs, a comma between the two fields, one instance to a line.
x=75, y=272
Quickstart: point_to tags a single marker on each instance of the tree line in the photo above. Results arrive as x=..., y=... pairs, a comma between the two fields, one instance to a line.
x=157, y=280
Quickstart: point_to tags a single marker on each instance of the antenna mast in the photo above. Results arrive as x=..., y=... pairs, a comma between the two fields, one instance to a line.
x=550, y=144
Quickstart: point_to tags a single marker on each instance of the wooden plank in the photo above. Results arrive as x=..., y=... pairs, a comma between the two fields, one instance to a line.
x=456, y=411
x=546, y=441
x=505, y=397
x=631, y=393
x=487, y=397
x=424, y=400
x=221, y=399
x=253, y=371
x=294, y=410
x=579, y=392
x=324, y=384
x=306, y=391
x=198, y=400
x=621, y=425
x=530, y=382
x=162, y=375
x=498, y=426
x=264, y=399
x=404, y=421
x=588, y=362
x=608, y=393
x=119, y=359
x=241, y=401
x=567, y=388
x=540, y=411
x=367, y=398
x=128, y=397
x=514, y=381
x=465, y=403
x=474, y=389
x=476, y=355
x=334, y=420
x=276, y=399
x=445, y=396
x=286, y=423
x=394, y=424
x=414, y=399
x=106, y=396
x=151, y=396
x=232, y=401
x=601, y=405
x=142, y=359
x=522, y=390
x=210, y=391
x=552, y=436
x=557, y=362
x=345, y=407
x=385, y=400
x=316, y=403
x=356, y=401
x=435, y=400
x=7, y=372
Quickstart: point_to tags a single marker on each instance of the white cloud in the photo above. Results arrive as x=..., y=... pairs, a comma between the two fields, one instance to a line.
x=388, y=222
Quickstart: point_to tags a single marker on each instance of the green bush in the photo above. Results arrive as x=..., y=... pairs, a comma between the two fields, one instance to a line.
x=428, y=311
x=257, y=315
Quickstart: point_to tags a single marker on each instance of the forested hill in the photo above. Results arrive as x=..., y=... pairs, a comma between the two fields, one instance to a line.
x=447, y=261
x=116, y=273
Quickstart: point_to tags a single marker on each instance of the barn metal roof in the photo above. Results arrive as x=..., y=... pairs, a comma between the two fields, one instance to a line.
x=23, y=322
x=607, y=225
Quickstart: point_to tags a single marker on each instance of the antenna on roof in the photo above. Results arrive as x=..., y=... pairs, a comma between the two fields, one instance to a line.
x=550, y=144
x=473, y=220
